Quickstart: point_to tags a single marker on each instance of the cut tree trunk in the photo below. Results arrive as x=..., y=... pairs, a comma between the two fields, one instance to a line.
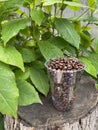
x=83, y=115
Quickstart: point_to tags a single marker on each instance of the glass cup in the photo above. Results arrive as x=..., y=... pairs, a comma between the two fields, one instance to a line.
x=63, y=85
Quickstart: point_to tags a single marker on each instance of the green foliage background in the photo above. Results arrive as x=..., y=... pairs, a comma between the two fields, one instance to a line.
x=31, y=32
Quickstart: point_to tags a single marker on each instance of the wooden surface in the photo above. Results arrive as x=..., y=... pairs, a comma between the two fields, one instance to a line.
x=83, y=115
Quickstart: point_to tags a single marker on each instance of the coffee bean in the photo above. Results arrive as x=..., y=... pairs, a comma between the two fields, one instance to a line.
x=65, y=64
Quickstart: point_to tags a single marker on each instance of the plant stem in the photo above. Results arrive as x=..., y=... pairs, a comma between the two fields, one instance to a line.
x=55, y=12
x=83, y=13
x=61, y=14
x=55, y=9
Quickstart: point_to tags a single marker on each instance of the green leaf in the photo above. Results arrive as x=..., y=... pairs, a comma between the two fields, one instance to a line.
x=36, y=33
x=11, y=28
x=77, y=25
x=8, y=91
x=51, y=2
x=75, y=7
x=62, y=44
x=97, y=86
x=96, y=43
x=37, y=15
x=48, y=8
x=75, y=4
x=22, y=75
x=49, y=51
x=3, y=0
x=92, y=4
x=38, y=64
x=28, y=55
x=10, y=55
x=31, y=43
x=10, y=3
x=46, y=35
x=96, y=2
x=59, y=42
x=68, y=32
x=40, y=80
x=8, y=7
x=86, y=40
x=27, y=93
x=93, y=57
x=89, y=67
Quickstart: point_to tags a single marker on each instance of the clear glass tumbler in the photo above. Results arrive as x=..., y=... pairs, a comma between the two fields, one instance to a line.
x=63, y=85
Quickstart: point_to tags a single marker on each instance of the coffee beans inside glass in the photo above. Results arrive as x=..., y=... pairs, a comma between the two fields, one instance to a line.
x=64, y=73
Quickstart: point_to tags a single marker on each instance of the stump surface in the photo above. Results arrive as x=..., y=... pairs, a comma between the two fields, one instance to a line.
x=83, y=115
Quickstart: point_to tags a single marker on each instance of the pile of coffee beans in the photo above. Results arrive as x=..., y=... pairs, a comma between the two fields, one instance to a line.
x=61, y=98
x=63, y=89
x=65, y=64
x=63, y=92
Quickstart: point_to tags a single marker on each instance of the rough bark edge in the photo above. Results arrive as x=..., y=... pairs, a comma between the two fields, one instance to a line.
x=88, y=122
x=14, y=124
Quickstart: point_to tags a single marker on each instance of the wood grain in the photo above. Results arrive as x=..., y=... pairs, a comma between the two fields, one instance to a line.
x=83, y=115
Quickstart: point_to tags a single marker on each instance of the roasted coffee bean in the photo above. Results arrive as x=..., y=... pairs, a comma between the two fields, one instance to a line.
x=65, y=67
x=65, y=64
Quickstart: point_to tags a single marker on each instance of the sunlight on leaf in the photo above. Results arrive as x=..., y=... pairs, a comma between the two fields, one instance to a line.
x=10, y=55
x=8, y=91
x=11, y=28
x=74, y=4
x=89, y=67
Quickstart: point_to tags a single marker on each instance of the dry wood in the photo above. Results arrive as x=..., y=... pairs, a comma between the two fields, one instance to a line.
x=83, y=115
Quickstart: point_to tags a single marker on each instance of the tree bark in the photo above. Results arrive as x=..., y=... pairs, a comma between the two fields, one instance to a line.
x=83, y=115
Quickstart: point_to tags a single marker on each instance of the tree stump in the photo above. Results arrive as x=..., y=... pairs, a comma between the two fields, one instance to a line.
x=83, y=115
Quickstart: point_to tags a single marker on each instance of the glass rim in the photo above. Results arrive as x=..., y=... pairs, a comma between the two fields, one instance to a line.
x=64, y=71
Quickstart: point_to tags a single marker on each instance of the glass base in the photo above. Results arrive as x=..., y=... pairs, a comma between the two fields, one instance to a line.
x=63, y=105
